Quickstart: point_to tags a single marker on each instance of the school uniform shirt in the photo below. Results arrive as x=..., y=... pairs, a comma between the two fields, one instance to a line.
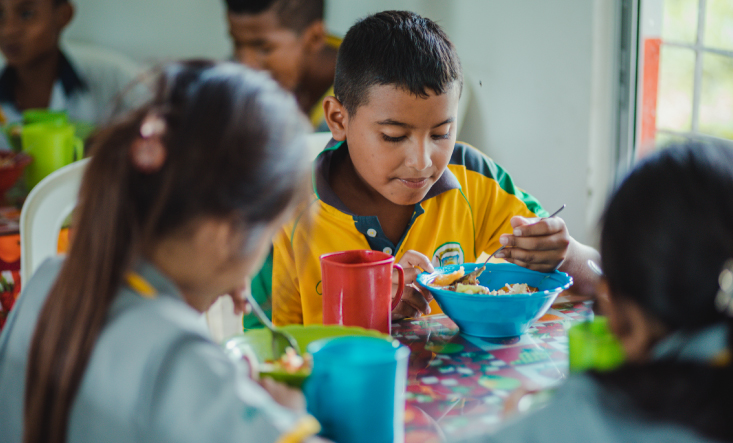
x=154, y=374
x=583, y=410
x=91, y=86
x=462, y=215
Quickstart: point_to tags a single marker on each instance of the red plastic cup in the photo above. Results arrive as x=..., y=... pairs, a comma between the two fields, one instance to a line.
x=357, y=289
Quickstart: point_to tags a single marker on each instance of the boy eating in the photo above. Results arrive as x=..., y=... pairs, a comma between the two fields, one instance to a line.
x=288, y=39
x=395, y=180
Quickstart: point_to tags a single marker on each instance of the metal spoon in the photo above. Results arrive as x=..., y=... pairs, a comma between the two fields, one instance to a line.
x=473, y=275
x=281, y=340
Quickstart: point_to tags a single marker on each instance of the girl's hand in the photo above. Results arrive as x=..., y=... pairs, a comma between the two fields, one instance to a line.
x=240, y=302
x=415, y=300
x=538, y=244
x=285, y=395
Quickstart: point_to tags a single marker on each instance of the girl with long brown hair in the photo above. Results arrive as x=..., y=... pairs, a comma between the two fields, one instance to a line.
x=177, y=206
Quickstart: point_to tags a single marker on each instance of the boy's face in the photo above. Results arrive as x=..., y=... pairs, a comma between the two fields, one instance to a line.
x=400, y=144
x=30, y=29
x=262, y=43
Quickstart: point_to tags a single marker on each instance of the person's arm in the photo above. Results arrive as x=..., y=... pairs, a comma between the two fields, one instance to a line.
x=199, y=394
x=415, y=300
x=506, y=215
x=576, y=265
x=287, y=307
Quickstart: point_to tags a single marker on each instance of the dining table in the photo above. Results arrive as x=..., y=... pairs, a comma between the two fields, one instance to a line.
x=459, y=386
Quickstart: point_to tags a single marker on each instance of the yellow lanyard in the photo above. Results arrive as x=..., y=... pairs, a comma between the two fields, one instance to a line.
x=138, y=284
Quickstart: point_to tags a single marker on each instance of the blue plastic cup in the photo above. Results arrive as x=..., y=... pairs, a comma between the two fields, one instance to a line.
x=357, y=389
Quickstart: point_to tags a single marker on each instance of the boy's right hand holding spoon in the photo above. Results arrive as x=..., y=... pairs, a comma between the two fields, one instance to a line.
x=540, y=244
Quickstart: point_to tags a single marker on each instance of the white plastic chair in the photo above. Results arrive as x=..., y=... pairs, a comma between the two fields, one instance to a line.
x=316, y=142
x=43, y=214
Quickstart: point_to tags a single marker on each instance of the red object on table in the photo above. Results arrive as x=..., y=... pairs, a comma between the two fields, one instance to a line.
x=10, y=283
x=357, y=289
x=9, y=290
x=459, y=386
x=11, y=172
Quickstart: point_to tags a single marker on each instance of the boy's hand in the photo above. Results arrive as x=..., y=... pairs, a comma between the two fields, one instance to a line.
x=415, y=300
x=538, y=244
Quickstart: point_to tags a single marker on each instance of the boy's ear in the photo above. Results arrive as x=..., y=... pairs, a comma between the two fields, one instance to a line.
x=336, y=117
x=314, y=36
x=64, y=14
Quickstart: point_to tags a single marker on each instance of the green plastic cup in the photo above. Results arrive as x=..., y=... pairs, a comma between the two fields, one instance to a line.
x=592, y=346
x=45, y=116
x=52, y=146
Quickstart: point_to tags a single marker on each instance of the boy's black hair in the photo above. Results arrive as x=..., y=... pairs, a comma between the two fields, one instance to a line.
x=293, y=14
x=397, y=48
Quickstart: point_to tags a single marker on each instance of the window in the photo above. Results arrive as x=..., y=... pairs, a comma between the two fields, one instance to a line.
x=686, y=72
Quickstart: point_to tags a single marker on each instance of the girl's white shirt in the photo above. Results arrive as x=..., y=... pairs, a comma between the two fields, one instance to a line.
x=154, y=375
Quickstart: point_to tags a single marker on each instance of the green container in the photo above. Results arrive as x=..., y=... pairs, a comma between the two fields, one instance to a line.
x=45, y=116
x=52, y=146
x=14, y=131
x=592, y=345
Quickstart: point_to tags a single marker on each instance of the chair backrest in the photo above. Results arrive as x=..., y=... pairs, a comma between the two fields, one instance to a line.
x=43, y=214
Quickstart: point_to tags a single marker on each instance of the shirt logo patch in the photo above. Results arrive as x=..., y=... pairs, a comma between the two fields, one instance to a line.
x=450, y=253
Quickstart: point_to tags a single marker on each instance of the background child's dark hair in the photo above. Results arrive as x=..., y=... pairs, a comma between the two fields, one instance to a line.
x=397, y=48
x=666, y=234
x=234, y=144
x=293, y=14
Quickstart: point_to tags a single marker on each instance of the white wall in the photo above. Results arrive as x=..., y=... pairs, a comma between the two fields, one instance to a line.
x=541, y=74
x=153, y=30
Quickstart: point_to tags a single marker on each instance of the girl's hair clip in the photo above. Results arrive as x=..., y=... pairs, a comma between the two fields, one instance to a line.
x=147, y=151
x=724, y=298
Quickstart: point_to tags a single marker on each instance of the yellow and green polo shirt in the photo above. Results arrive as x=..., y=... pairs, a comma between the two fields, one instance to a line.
x=463, y=215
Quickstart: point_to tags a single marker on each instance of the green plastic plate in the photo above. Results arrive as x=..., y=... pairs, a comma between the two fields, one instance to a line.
x=258, y=341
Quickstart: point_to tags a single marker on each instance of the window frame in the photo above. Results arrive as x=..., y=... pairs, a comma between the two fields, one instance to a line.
x=699, y=49
x=649, y=43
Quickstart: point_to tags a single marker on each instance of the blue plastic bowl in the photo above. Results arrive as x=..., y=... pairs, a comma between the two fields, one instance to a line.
x=497, y=315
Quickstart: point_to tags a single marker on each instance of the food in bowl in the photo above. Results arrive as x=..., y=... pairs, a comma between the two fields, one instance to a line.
x=443, y=280
x=508, y=289
x=457, y=281
x=290, y=362
x=11, y=169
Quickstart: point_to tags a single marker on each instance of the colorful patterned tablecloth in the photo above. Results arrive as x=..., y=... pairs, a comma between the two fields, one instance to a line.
x=458, y=385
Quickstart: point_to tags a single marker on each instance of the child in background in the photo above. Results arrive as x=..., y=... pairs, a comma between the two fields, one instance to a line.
x=667, y=233
x=108, y=344
x=288, y=39
x=38, y=74
x=395, y=180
